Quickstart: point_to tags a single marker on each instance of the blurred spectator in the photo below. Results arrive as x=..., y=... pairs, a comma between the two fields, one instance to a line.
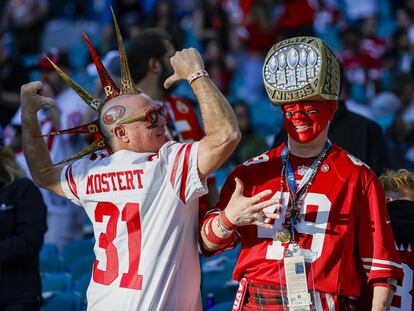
x=371, y=44
x=216, y=66
x=296, y=19
x=251, y=144
x=384, y=108
x=22, y=226
x=361, y=70
x=357, y=9
x=65, y=219
x=399, y=192
x=25, y=19
x=163, y=17
x=211, y=21
x=12, y=76
x=399, y=57
x=149, y=60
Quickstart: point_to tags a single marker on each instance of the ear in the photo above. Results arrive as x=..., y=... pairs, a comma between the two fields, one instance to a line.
x=333, y=106
x=120, y=134
x=154, y=65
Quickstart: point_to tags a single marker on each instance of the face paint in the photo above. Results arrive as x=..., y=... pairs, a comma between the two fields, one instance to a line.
x=304, y=121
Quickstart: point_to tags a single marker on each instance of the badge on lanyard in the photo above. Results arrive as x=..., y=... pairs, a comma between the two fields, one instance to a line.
x=297, y=278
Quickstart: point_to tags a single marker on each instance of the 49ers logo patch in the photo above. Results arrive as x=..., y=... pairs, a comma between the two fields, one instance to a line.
x=113, y=114
x=181, y=107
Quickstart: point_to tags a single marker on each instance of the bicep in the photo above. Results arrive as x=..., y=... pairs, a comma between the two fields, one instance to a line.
x=52, y=181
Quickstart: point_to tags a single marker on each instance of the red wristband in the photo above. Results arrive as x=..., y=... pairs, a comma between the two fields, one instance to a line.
x=212, y=237
x=226, y=221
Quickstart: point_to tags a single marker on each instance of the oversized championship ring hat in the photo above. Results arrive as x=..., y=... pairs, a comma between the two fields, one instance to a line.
x=301, y=68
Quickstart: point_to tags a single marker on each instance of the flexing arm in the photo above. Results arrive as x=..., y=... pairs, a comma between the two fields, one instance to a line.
x=220, y=123
x=35, y=149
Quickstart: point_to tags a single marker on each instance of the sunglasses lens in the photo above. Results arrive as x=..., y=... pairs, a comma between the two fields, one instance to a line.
x=153, y=117
x=161, y=112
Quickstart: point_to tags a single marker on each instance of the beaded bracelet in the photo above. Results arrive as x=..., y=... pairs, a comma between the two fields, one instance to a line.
x=197, y=74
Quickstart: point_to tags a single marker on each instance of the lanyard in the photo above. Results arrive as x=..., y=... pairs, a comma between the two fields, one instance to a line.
x=291, y=179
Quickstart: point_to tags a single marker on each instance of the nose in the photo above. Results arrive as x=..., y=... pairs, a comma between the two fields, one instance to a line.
x=161, y=120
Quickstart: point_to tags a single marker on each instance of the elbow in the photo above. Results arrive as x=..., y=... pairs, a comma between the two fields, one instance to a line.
x=234, y=137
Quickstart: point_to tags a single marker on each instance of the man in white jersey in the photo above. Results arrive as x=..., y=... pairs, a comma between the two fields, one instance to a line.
x=142, y=198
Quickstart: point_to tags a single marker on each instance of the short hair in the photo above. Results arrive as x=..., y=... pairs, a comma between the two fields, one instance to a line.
x=396, y=181
x=146, y=45
x=10, y=170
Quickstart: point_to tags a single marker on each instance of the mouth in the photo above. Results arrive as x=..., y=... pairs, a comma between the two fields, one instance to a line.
x=301, y=128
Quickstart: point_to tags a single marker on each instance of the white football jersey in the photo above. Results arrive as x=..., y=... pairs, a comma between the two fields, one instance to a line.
x=144, y=210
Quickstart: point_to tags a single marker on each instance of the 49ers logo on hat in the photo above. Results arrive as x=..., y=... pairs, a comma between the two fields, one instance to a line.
x=113, y=114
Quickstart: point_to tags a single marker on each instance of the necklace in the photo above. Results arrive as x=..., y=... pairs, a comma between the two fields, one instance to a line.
x=296, y=194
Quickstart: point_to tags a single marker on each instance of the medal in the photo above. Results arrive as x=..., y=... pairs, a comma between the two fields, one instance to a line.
x=283, y=235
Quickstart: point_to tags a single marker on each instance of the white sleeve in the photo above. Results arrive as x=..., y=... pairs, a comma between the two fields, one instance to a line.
x=70, y=182
x=181, y=167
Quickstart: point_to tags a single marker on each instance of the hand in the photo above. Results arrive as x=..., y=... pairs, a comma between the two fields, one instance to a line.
x=184, y=63
x=31, y=97
x=243, y=210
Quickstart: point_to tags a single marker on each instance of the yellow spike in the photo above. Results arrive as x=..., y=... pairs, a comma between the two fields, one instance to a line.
x=127, y=84
x=98, y=144
x=89, y=99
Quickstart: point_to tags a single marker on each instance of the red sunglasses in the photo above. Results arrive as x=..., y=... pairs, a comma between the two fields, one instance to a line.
x=151, y=116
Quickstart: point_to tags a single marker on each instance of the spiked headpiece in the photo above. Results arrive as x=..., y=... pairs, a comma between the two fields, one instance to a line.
x=301, y=68
x=111, y=90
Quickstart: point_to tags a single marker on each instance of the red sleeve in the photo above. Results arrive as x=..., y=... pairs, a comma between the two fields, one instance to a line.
x=377, y=249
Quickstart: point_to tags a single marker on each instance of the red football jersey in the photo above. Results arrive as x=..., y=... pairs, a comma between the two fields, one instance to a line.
x=345, y=223
x=403, y=297
x=184, y=125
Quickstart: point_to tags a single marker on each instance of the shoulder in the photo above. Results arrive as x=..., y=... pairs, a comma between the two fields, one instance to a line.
x=348, y=166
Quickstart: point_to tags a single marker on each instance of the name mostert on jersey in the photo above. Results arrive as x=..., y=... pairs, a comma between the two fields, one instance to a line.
x=114, y=181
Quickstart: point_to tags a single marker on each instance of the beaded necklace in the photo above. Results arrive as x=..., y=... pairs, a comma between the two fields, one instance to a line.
x=297, y=195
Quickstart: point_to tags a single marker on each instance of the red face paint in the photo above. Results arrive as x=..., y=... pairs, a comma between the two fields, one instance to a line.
x=304, y=121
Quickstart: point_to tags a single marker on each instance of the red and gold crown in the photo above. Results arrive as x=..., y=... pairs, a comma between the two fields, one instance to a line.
x=110, y=88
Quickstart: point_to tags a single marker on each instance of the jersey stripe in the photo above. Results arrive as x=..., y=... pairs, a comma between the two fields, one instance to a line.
x=71, y=182
x=380, y=261
x=185, y=172
x=175, y=167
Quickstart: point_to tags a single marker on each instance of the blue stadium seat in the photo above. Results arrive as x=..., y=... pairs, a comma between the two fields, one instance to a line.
x=52, y=264
x=77, y=249
x=62, y=301
x=225, y=306
x=57, y=281
x=81, y=266
x=49, y=250
x=80, y=286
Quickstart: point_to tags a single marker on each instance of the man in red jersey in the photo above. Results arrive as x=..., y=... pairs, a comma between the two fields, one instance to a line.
x=149, y=56
x=328, y=204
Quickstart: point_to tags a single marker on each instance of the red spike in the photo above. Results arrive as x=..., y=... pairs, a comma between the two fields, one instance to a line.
x=91, y=128
x=110, y=88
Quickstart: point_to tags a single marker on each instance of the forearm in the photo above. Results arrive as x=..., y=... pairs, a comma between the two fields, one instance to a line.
x=215, y=235
x=220, y=122
x=382, y=298
x=35, y=149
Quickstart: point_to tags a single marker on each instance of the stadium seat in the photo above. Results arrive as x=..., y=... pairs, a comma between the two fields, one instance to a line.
x=57, y=281
x=80, y=286
x=62, y=301
x=77, y=249
x=52, y=264
x=225, y=306
x=49, y=250
x=81, y=266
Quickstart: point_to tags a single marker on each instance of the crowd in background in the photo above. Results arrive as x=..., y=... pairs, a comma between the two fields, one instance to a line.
x=373, y=39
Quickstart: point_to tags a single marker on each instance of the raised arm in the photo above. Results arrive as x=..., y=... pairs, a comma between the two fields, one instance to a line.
x=35, y=149
x=220, y=123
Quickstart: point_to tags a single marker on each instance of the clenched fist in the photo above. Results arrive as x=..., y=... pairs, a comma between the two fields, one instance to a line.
x=31, y=97
x=184, y=63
